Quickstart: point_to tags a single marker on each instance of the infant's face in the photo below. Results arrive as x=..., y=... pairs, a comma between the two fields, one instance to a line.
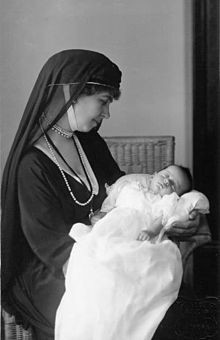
x=167, y=181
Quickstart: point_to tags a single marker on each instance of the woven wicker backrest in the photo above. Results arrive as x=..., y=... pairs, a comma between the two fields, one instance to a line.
x=145, y=154
x=13, y=331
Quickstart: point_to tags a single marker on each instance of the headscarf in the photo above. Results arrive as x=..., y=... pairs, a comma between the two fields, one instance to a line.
x=67, y=67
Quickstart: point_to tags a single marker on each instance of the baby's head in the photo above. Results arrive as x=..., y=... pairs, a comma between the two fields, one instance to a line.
x=174, y=178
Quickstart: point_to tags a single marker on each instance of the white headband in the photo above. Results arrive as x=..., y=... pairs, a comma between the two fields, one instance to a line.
x=89, y=82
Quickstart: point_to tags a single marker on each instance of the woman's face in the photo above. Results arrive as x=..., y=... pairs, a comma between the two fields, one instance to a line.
x=89, y=111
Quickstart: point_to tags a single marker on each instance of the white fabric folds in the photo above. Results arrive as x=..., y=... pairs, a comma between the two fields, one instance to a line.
x=119, y=288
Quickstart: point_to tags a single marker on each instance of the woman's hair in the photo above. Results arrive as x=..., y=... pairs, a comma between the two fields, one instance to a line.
x=91, y=89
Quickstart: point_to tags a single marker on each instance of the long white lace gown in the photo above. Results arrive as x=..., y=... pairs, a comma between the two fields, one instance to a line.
x=118, y=288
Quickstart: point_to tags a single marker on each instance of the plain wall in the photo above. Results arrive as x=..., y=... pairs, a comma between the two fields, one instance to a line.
x=150, y=40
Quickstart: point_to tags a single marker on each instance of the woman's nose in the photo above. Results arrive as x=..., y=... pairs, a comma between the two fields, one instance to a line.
x=106, y=113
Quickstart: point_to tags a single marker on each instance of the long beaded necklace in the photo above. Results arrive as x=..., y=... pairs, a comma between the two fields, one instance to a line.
x=65, y=179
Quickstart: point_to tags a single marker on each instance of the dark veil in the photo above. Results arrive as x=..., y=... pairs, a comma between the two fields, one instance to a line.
x=66, y=67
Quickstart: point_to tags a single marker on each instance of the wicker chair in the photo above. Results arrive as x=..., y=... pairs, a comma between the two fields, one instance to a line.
x=11, y=330
x=142, y=154
x=147, y=155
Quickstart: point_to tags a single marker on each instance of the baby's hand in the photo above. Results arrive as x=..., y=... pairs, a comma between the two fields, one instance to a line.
x=97, y=216
x=143, y=236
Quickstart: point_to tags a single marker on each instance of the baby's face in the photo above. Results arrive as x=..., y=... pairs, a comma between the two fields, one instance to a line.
x=169, y=180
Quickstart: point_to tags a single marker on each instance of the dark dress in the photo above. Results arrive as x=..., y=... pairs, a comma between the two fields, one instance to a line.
x=47, y=213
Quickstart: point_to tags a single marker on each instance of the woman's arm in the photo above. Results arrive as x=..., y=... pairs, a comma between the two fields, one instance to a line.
x=42, y=220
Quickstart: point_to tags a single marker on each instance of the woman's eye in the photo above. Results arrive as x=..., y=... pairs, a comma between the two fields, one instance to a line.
x=103, y=101
x=106, y=101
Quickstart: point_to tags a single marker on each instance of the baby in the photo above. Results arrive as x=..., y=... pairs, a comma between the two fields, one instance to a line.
x=116, y=286
x=161, y=196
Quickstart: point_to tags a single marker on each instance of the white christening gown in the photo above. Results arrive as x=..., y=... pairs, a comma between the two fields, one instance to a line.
x=118, y=288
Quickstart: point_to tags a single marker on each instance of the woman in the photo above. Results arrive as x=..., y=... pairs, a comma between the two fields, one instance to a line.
x=55, y=176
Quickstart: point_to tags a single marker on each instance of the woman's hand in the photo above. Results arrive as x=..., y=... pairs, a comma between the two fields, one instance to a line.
x=181, y=231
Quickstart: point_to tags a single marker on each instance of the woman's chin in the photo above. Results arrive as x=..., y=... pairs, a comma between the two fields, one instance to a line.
x=87, y=128
x=95, y=126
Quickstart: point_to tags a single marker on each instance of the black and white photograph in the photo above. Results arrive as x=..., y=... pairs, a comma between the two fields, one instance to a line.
x=110, y=169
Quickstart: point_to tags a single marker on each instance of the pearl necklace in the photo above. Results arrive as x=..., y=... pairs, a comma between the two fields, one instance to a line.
x=58, y=129
x=63, y=132
x=65, y=179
